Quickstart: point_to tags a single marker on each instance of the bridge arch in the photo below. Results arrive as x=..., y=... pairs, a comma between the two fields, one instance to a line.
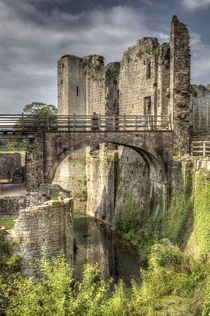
x=147, y=145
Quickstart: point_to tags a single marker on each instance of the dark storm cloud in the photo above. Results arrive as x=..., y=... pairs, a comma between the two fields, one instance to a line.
x=35, y=33
x=29, y=50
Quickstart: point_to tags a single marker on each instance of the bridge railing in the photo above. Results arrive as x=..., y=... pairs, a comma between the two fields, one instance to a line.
x=18, y=123
x=200, y=148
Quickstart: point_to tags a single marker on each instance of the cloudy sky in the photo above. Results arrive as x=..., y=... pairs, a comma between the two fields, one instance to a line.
x=35, y=33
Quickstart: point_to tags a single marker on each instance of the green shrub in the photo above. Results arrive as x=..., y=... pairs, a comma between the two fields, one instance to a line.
x=140, y=226
x=14, y=263
x=172, y=285
x=206, y=307
x=165, y=254
x=56, y=293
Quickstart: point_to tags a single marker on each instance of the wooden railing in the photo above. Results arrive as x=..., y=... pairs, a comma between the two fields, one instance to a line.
x=82, y=123
x=200, y=148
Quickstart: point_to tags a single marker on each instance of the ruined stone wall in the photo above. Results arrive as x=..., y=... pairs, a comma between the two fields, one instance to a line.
x=114, y=178
x=180, y=84
x=101, y=172
x=12, y=165
x=150, y=78
x=71, y=176
x=138, y=78
x=101, y=93
x=12, y=205
x=49, y=226
x=95, y=81
x=200, y=109
x=71, y=85
x=163, y=88
x=132, y=180
x=35, y=163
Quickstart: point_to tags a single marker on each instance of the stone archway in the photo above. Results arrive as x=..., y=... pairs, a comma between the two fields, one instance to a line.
x=149, y=145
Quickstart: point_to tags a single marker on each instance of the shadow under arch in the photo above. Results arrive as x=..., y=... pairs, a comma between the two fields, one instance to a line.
x=153, y=161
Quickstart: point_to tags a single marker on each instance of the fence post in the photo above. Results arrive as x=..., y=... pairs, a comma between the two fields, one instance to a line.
x=114, y=123
x=99, y=121
x=69, y=123
x=148, y=121
x=124, y=121
x=136, y=123
x=22, y=121
x=169, y=123
x=204, y=149
x=151, y=123
x=74, y=122
x=48, y=122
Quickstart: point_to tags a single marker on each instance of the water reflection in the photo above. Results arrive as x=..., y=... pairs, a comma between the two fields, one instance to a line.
x=95, y=242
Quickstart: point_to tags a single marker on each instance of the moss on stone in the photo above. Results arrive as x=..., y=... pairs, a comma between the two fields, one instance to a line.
x=54, y=194
x=202, y=213
x=156, y=53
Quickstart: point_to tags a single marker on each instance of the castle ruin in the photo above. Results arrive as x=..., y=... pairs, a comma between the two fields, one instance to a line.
x=151, y=78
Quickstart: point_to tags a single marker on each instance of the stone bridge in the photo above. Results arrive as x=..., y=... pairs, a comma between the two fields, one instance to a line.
x=46, y=151
x=54, y=137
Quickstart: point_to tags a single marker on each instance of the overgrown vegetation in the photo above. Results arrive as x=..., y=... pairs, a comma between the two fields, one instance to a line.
x=8, y=262
x=54, y=194
x=202, y=213
x=179, y=219
x=168, y=287
x=82, y=195
x=173, y=282
x=140, y=226
x=156, y=53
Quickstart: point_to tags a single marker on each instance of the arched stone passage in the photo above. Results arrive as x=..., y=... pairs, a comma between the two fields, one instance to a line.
x=155, y=148
x=46, y=151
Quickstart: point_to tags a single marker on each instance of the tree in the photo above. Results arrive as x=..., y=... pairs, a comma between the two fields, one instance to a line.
x=36, y=111
x=39, y=108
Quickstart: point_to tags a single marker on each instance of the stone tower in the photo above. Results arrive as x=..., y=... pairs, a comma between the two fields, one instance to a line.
x=150, y=79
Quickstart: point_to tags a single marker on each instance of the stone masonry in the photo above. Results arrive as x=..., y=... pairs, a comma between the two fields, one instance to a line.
x=10, y=206
x=11, y=167
x=200, y=110
x=150, y=79
x=48, y=228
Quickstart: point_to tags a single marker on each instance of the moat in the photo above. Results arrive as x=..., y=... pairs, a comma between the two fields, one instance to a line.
x=95, y=243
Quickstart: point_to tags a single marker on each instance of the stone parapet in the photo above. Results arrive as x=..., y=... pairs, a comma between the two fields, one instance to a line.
x=12, y=205
x=48, y=228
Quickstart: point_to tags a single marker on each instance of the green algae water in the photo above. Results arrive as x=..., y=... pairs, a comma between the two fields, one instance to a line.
x=95, y=243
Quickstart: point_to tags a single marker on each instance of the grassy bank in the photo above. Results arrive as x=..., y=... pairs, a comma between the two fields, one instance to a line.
x=7, y=223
